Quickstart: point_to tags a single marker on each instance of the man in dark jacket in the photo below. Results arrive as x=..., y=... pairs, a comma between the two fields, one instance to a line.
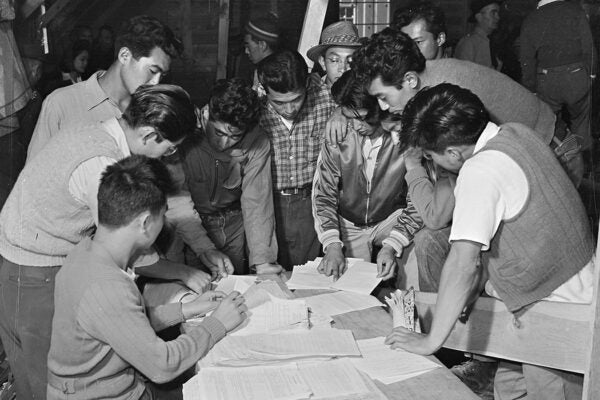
x=228, y=172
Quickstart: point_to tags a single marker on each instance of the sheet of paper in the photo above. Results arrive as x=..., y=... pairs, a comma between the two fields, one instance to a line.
x=307, y=277
x=360, y=278
x=262, y=349
x=241, y=283
x=380, y=362
x=340, y=303
x=277, y=314
x=281, y=382
x=333, y=379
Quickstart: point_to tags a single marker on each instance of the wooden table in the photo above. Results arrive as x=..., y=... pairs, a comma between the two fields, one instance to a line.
x=437, y=384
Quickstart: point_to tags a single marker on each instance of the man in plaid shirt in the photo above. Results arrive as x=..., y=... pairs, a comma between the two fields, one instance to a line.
x=293, y=116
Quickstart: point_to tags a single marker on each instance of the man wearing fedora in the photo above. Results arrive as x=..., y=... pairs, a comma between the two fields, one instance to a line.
x=476, y=46
x=335, y=49
x=260, y=41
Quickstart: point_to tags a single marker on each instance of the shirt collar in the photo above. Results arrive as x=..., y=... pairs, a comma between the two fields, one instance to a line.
x=94, y=95
x=544, y=2
x=490, y=131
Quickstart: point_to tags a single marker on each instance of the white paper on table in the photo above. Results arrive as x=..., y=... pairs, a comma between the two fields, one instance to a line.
x=307, y=277
x=340, y=303
x=240, y=283
x=380, y=362
x=276, y=314
x=360, y=278
x=281, y=382
x=333, y=379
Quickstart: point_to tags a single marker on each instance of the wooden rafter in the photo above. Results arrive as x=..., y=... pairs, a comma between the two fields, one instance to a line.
x=29, y=6
x=223, y=39
x=56, y=9
x=311, y=28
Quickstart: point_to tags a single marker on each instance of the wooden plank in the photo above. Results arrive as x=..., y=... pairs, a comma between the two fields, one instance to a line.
x=550, y=334
x=55, y=10
x=29, y=6
x=223, y=39
x=311, y=27
x=591, y=381
x=186, y=28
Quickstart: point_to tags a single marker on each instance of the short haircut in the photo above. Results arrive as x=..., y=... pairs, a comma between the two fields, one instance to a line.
x=432, y=15
x=284, y=71
x=389, y=55
x=143, y=33
x=349, y=91
x=131, y=186
x=166, y=108
x=441, y=116
x=233, y=101
x=79, y=47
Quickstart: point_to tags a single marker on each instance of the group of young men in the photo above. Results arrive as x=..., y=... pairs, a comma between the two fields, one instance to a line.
x=402, y=146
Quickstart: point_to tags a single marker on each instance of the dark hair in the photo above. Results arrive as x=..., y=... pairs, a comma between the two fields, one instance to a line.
x=166, y=108
x=79, y=47
x=234, y=102
x=107, y=28
x=143, y=33
x=389, y=55
x=432, y=15
x=349, y=91
x=131, y=186
x=284, y=71
x=265, y=28
x=441, y=116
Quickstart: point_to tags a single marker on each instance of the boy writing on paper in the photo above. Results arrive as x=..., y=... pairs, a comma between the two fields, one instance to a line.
x=103, y=341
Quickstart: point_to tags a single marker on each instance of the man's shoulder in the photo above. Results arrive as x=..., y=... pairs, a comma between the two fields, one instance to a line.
x=68, y=93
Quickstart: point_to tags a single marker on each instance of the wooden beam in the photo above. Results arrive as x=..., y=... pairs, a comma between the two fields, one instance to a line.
x=312, y=26
x=223, y=39
x=550, y=334
x=29, y=6
x=186, y=28
x=55, y=10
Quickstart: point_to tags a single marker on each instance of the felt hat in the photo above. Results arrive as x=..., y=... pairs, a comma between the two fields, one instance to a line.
x=478, y=5
x=339, y=34
x=265, y=28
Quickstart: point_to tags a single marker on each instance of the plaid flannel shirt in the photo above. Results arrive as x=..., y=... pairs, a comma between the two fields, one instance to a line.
x=294, y=151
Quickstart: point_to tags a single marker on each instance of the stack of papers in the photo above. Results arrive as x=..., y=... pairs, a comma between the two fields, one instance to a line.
x=274, y=315
x=290, y=345
x=240, y=283
x=360, y=277
x=337, y=303
x=336, y=379
x=380, y=362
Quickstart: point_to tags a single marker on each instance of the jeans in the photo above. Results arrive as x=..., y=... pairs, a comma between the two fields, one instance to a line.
x=26, y=310
x=226, y=230
x=295, y=226
x=431, y=249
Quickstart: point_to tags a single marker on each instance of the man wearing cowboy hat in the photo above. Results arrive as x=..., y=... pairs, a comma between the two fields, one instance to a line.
x=476, y=46
x=334, y=51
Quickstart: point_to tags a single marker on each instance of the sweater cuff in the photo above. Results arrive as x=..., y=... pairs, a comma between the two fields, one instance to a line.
x=328, y=237
x=415, y=173
x=397, y=241
x=214, y=327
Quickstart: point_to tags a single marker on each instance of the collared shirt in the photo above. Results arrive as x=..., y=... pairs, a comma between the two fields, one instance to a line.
x=83, y=102
x=295, y=151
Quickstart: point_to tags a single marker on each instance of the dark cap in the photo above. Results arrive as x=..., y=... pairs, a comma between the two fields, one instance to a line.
x=477, y=5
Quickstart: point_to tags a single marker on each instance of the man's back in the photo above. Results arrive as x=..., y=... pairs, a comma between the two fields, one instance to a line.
x=505, y=99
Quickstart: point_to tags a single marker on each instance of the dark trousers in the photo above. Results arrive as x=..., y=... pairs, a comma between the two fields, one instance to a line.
x=226, y=230
x=26, y=310
x=296, y=236
x=569, y=86
x=431, y=249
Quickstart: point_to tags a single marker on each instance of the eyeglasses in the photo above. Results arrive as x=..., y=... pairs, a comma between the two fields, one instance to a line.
x=159, y=138
x=339, y=62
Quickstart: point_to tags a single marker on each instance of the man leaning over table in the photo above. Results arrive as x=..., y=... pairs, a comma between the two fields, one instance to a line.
x=517, y=206
x=104, y=343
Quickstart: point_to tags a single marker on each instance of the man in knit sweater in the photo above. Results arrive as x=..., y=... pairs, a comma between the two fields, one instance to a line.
x=515, y=204
x=53, y=206
x=103, y=342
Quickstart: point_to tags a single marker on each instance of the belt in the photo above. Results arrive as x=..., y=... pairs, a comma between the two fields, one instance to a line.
x=304, y=190
x=573, y=67
x=230, y=209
